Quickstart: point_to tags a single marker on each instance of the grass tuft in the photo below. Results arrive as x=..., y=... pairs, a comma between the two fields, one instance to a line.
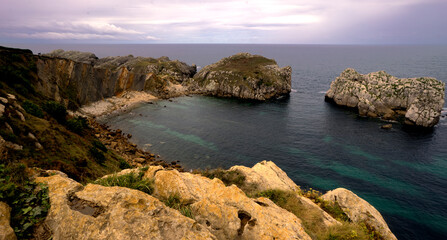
x=130, y=180
x=175, y=202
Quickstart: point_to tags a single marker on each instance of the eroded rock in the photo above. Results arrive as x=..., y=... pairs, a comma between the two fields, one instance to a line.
x=226, y=211
x=97, y=212
x=418, y=100
x=266, y=175
x=359, y=210
x=243, y=76
x=6, y=231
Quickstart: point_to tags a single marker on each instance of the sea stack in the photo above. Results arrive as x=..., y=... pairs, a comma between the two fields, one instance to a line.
x=243, y=76
x=414, y=101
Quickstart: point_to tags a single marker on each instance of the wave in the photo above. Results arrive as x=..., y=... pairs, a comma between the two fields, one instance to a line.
x=294, y=90
x=322, y=92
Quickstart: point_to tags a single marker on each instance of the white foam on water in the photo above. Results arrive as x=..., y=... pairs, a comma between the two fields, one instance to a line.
x=322, y=92
x=294, y=90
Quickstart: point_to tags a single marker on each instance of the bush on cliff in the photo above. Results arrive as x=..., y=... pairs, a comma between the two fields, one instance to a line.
x=55, y=110
x=32, y=109
x=29, y=201
x=77, y=124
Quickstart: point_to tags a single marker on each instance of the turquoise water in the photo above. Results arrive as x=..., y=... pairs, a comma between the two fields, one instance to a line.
x=401, y=172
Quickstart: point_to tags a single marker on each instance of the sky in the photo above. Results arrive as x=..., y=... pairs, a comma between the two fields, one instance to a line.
x=218, y=21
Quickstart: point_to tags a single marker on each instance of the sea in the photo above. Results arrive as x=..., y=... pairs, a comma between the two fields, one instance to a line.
x=402, y=172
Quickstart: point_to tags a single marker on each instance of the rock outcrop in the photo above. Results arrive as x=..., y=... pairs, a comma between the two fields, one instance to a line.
x=97, y=212
x=243, y=76
x=226, y=211
x=266, y=175
x=378, y=94
x=359, y=211
x=6, y=231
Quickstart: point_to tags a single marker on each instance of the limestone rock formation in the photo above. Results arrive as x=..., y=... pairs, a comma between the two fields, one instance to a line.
x=359, y=210
x=97, y=212
x=243, y=76
x=267, y=175
x=6, y=231
x=77, y=78
x=226, y=211
x=378, y=94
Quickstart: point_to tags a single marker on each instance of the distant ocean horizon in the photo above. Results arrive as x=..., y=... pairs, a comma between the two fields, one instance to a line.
x=401, y=172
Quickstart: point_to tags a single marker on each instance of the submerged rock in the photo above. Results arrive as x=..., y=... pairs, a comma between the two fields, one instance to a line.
x=243, y=76
x=418, y=100
x=359, y=211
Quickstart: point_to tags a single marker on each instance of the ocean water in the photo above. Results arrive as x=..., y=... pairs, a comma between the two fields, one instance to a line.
x=402, y=172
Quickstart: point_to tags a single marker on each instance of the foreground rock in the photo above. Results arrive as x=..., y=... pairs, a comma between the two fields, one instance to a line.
x=266, y=176
x=97, y=212
x=226, y=211
x=243, y=76
x=359, y=211
x=6, y=231
x=378, y=94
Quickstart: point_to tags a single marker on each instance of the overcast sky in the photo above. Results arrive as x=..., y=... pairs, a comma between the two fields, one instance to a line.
x=218, y=21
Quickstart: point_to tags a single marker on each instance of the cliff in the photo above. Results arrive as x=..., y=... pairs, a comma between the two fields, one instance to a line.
x=243, y=76
x=418, y=101
x=77, y=78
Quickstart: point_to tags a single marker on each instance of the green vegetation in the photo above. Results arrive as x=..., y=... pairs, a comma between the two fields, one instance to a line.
x=29, y=201
x=333, y=209
x=77, y=124
x=175, y=202
x=123, y=164
x=55, y=110
x=32, y=109
x=131, y=180
x=227, y=177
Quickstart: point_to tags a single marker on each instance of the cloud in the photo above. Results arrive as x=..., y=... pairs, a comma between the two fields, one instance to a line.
x=280, y=21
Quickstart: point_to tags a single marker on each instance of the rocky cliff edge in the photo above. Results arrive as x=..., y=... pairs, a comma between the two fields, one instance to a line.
x=190, y=206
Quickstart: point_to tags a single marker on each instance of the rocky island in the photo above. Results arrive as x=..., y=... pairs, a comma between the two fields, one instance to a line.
x=67, y=177
x=415, y=101
x=243, y=76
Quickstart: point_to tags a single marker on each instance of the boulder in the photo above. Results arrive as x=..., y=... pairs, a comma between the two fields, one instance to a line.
x=2, y=110
x=243, y=76
x=6, y=231
x=267, y=175
x=226, y=211
x=3, y=100
x=97, y=212
x=359, y=210
x=418, y=100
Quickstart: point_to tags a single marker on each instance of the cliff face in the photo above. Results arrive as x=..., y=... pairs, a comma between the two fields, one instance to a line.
x=79, y=78
x=244, y=76
x=378, y=94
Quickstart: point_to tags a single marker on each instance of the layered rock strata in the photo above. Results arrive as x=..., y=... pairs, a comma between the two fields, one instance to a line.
x=243, y=76
x=418, y=101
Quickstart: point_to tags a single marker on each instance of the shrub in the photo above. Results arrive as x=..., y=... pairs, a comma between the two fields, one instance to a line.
x=56, y=110
x=124, y=164
x=29, y=201
x=174, y=201
x=32, y=109
x=227, y=177
x=77, y=124
x=332, y=208
x=98, y=144
x=97, y=155
x=130, y=180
